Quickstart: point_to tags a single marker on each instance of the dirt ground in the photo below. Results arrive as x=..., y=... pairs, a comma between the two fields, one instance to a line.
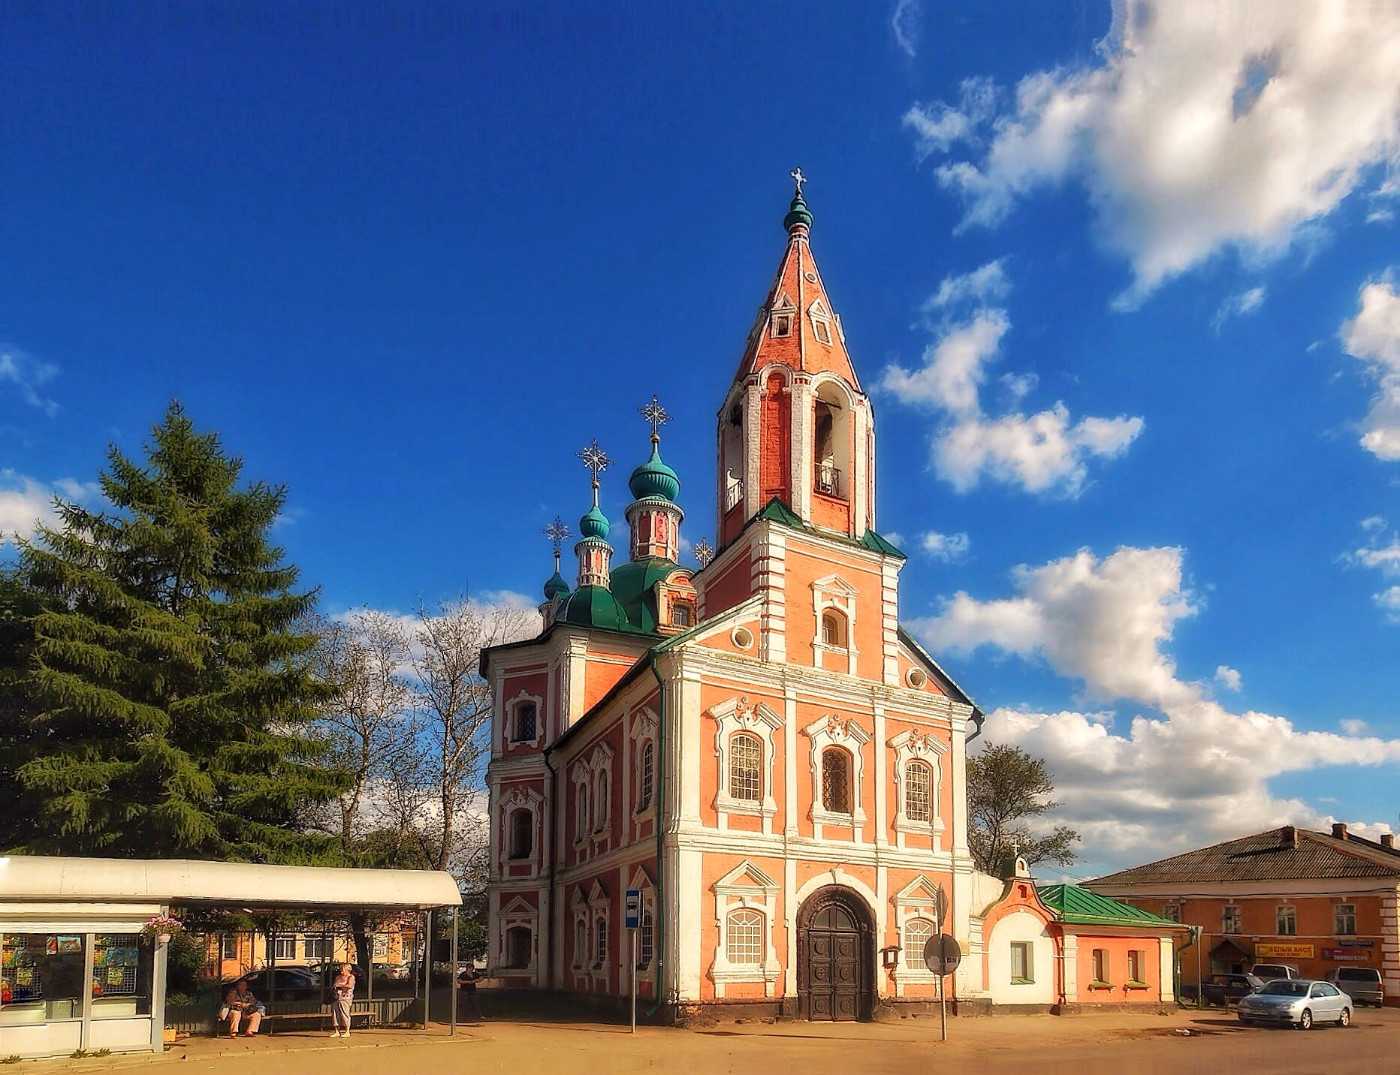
x=1040, y=1045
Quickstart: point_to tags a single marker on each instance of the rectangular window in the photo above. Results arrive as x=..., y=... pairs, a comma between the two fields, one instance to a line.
x=823, y=331
x=1230, y=920
x=1022, y=962
x=1286, y=921
x=600, y=948
x=228, y=946
x=317, y=948
x=782, y=324
x=1135, y=968
x=121, y=976
x=284, y=946
x=1101, y=966
x=1345, y=919
x=44, y=977
x=646, y=938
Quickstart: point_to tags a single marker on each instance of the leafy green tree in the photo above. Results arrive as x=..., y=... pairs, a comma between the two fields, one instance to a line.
x=1008, y=791
x=171, y=687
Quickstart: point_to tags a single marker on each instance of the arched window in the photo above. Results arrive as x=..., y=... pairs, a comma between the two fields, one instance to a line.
x=525, y=722
x=581, y=821
x=917, y=933
x=602, y=801
x=743, y=943
x=836, y=781
x=646, y=776
x=918, y=791
x=646, y=939
x=831, y=435
x=745, y=767
x=519, y=943
x=833, y=628
x=600, y=942
x=580, y=942
x=522, y=834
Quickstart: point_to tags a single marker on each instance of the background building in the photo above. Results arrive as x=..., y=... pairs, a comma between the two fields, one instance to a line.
x=1316, y=900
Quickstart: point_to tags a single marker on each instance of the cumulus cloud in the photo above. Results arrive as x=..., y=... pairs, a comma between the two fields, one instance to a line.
x=1198, y=128
x=26, y=502
x=28, y=376
x=1189, y=771
x=1373, y=338
x=1042, y=452
x=949, y=548
x=1229, y=678
x=1241, y=305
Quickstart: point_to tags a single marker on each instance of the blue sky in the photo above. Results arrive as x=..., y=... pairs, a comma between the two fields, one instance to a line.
x=1122, y=292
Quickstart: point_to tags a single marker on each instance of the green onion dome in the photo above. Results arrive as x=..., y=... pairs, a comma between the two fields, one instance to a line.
x=593, y=606
x=555, y=587
x=798, y=213
x=594, y=524
x=654, y=478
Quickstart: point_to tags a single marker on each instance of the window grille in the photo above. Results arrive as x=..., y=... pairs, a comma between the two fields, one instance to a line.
x=600, y=951
x=646, y=941
x=918, y=791
x=525, y=720
x=744, y=942
x=745, y=762
x=648, y=775
x=836, y=781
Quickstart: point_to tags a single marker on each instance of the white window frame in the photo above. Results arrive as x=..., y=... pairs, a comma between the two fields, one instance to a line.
x=583, y=814
x=910, y=746
x=582, y=924
x=510, y=742
x=599, y=910
x=1027, y=949
x=741, y=715
x=641, y=881
x=784, y=307
x=599, y=768
x=845, y=732
x=821, y=322
x=832, y=592
x=227, y=941
x=517, y=913
x=1228, y=912
x=1337, y=919
x=643, y=732
x=532, y=802
x=1292, y=913
x=279, y=940
x=918, y=899
x=746, y=887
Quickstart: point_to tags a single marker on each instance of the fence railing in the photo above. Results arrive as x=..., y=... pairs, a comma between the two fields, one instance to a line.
x=828, y=481
x=203, y=1019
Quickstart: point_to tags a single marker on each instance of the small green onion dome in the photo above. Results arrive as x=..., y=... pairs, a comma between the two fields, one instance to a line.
x=593, y=606
x=798, y=213
x=654, y=478
x=555, y=587
x=594, y=524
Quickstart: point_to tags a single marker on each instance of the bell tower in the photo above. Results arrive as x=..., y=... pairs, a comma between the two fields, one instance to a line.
x=795, y=424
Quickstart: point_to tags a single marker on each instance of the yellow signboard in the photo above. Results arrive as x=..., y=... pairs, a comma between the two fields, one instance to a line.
x=1283, y=951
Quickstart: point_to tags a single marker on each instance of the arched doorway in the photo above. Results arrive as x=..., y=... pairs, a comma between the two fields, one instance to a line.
x=835, y=955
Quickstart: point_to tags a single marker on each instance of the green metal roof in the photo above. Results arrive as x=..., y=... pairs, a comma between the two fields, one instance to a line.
x=778, y=512
x=1079, y=906
x=634, y=586
x=654, y=478
x=595, y=606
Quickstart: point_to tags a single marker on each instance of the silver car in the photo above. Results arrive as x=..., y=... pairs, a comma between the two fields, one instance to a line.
x=1299, y=1002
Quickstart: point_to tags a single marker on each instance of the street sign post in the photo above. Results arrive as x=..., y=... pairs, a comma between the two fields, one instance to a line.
x=633, y=919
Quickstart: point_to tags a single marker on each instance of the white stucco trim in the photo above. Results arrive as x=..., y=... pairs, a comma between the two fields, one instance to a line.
x=911, y=746
x=740, y=715
x=835, y=593
x=746, y=887
x=531, y=801
x=847, y=733
x=510, y=742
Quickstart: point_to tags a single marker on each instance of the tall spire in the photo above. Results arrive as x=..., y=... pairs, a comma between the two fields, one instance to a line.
x=557, y=532
x=594, y=552
x=653, y=516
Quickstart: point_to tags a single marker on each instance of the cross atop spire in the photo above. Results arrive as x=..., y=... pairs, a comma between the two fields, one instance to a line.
x=595, y=460
x=557, y=532
x=798, y=178
x=655, y=416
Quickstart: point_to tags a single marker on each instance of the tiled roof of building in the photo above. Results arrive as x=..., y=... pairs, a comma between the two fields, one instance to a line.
x=1079, y=906
x=1285, y=853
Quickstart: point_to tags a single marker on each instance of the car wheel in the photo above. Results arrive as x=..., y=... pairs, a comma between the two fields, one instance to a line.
x=1344, y=1020
x=1305, y=1020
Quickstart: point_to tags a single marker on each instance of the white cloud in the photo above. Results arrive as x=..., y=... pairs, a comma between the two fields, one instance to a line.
x=1228, y=677
x=1199, y=128
x=906, y=23
x=28, y=375
x=988, y=283
x=1381, y=553
x=1193, y=774
x=1373, y=337
x=948, y=548
x=26, y=502
x=1044, y=452
x=1354, y=727
x=1241, y=305
x=1388, y=601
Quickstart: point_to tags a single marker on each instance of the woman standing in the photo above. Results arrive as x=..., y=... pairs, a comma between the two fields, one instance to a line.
x=342, y=997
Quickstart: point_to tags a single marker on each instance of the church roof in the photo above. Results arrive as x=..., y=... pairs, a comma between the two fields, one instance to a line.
x=634, y=586
x=595, y=606
x=1079, y=906
x=778, y=512
x=798, y=292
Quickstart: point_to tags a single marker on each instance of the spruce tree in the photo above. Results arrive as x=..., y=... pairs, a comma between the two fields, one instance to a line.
x=171, y=686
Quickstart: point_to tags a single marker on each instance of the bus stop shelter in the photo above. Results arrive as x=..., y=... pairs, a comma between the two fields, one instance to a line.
x=76, y=971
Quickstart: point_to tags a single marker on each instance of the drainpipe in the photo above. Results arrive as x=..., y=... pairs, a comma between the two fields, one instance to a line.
x=553, y=848
x=659, y=915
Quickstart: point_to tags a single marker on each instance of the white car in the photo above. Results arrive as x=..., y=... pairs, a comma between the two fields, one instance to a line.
x=1299, y=1002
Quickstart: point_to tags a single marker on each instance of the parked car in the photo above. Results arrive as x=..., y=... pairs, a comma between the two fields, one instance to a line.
x=1299, y=1002
x=1270, y=971
x=293, y=983
x=326, y=972
x=394, y=972
x=1362, y=984
x=1227, y=989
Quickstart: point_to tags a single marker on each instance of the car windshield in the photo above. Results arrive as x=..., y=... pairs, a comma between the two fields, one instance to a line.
x=1359, y=975
x=1284, y=987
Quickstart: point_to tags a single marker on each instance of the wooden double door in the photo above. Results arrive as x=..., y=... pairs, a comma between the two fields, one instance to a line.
x=834, y=946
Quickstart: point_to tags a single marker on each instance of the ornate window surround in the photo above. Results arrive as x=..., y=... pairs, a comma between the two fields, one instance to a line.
x=760, y=893
x=641, y=881
x=741, y=715
x=530, y=800
x=917, y=899
x=835, y=593
x=508, y=731
x=645, y=726
x=578, y=912
x=599, y=908
x=910, y=746
x=599, y=768
x=846, y=733
x=782, y=305
x=822, y=317
x=583, y=795
x=517, y=913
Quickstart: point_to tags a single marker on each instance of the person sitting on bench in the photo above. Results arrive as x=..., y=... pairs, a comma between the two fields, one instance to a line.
x=241, y=1004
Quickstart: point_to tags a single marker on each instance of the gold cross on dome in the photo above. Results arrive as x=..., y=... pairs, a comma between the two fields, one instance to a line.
x=704, y=553
x=595, y=459
x=557, y=532
x=655, y=415
x=798, y=178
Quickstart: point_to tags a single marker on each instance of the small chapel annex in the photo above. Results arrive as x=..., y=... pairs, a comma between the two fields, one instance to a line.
x=757, y=745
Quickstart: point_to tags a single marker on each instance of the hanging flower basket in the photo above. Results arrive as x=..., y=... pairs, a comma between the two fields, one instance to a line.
x=162, y=928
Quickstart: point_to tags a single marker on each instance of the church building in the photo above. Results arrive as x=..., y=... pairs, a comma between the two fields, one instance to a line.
x=756, y=745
